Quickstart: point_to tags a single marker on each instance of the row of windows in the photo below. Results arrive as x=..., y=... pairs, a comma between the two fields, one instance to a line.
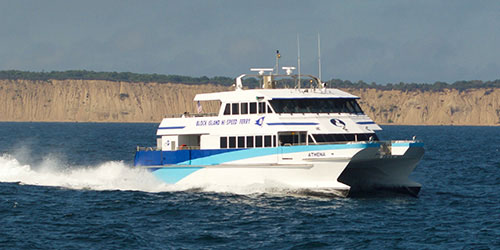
x=245, y=108
x=258, y=141
x=344, y=137
x=304, y=105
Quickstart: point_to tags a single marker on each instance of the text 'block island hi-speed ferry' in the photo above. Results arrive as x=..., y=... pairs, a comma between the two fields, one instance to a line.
x=315, y=139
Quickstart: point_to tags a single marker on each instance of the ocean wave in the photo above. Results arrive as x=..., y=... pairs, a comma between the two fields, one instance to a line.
x=112, y=175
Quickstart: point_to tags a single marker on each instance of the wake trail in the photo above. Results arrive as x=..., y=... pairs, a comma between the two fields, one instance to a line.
x=112, y=175
x=115, y=175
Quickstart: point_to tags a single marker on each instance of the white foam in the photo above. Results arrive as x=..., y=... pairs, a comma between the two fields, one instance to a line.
x=107, y=176
x=113, y=175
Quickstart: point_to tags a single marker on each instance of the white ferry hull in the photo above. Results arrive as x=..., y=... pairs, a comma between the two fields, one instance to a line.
x=329, y=171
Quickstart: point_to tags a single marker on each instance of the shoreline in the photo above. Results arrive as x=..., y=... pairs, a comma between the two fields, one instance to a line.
x=150, y=122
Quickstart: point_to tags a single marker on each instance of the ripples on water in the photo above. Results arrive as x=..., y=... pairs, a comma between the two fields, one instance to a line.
x=70, y=186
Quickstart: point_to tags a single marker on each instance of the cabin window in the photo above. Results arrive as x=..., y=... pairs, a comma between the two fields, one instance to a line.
x=249, y=141
x=232, y=142
x=350, y=137
x=316, y=105
x=241, y=141
x=227, y=110
x=267, y=141
x=253, y=108
x=324, y=138
x=366, y=137
x=262, y=107
x=235, y=109
x=223, y=142
x=310, y=139
x=329, y=137
x=244, y=108
x=258, y=141
x=274, y=141
x=269, y=110
x=289, y=138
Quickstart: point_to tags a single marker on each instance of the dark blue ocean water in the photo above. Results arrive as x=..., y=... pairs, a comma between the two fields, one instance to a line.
x=70, y=186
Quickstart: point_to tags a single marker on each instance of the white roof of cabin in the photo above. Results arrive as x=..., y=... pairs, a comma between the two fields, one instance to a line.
x=269, y=94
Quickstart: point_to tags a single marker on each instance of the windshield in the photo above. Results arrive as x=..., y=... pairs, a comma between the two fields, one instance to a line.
x=316, y=105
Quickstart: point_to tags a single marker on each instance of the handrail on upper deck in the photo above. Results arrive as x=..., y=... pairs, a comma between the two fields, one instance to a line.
x=239, y=79
x=186, y=115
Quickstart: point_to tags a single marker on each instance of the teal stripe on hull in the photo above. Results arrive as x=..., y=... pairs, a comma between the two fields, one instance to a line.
x=258, y=152
x=408, y=144
x=173, y=175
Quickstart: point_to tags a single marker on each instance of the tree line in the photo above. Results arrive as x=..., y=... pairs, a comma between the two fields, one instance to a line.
x=436, y=86
x=227, y=81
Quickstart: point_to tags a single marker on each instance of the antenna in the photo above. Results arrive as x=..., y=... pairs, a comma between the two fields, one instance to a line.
x=319, y=58
x=278, y=56
x=298, y=56
x=288, y=70
x=261, y=70
x=265, y=80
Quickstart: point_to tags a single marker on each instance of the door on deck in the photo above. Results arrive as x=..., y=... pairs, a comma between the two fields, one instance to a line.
x=286, y=141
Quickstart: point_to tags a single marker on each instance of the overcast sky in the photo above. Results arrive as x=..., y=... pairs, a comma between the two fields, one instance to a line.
x=373, y=41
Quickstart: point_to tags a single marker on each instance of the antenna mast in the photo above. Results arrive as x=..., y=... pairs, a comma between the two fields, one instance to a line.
x=298, y=57
x=319, y=57
x=278, y=56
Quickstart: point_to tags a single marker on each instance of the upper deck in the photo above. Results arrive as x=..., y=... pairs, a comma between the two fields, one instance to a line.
x=274, y=94
x=271, y=116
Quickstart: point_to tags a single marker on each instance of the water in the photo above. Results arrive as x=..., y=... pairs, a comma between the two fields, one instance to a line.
x=70, y=185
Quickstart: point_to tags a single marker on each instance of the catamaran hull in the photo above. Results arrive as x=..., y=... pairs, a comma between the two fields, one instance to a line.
x=322, y=170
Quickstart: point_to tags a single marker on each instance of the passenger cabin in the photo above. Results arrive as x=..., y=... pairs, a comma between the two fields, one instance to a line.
x=269, y=117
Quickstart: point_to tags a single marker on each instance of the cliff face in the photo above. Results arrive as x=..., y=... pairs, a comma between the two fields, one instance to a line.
x=104, y=101
x=449, y=107
x=97, y=101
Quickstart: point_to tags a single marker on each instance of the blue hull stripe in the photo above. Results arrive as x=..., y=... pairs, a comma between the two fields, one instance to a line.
x=365, y=122
x=177, y=127
x=159, y=158
x=291, y=123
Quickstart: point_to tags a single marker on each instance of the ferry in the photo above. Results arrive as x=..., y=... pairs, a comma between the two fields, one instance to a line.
x=302, y=137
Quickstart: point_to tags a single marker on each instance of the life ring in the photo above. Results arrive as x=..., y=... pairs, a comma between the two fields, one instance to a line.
x=181, y=147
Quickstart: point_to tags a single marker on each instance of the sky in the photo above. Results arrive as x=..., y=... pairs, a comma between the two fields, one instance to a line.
x=374, y=41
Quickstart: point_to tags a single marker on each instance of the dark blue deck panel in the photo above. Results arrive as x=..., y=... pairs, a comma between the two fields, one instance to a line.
x=158, y=158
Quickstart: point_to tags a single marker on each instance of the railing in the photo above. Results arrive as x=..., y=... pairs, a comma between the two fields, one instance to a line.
x=138, y=148
x=385, y=146
x=191, y=115
x=187, y=147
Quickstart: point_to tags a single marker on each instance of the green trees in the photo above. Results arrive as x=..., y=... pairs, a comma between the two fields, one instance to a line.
x=437, y=86
x=111, y=76
x=227, y=81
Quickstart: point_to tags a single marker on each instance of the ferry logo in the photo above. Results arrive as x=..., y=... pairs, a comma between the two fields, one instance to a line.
x=260, y=121
x=338, y=123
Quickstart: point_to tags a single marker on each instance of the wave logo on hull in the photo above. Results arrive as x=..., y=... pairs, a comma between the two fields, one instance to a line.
x=338, y=123
x=260, y=121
